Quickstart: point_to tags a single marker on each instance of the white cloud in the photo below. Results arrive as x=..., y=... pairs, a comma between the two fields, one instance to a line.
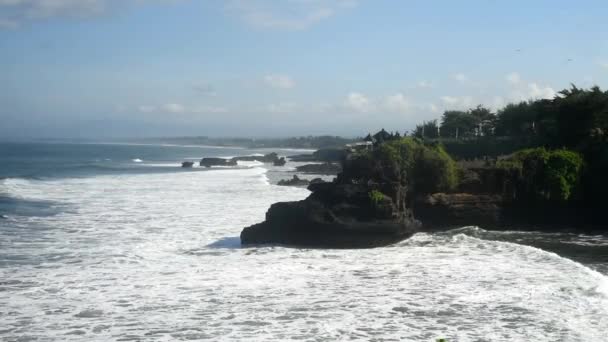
x=497, y=102
x=290, y=15
x=279, y=81
x=174, y=108
x=207, y=110
x=146, y=109
x=433, y=108
x=397, y=103
x=460, y=77
x=358, y=102
x=538, y=92
x=177, y=108
x=458, y=102
x=603, y=64
x=424, y=84
x=513, y=78
x=525, y=90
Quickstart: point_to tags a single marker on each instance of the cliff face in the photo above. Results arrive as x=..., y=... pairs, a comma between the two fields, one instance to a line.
x=364, y=207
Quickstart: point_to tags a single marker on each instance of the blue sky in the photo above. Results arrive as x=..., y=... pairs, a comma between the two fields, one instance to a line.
x=110, y=68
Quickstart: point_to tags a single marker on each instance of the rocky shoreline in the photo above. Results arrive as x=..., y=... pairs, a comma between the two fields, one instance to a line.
x=377, y=201
x=357, y=210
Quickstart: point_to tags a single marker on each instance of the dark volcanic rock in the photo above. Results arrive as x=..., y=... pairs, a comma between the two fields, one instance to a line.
x=456, y=210
x=295, y=181
x=321, y=169
x=187, y=164
x=209, y=162
x=267, y=158
x=441, y=211
x=347, y=213
x=279, y=162
x=321, y=155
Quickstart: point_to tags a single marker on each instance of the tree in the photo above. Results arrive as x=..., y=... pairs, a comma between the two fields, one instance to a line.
x=517, y=120
x=428, y=129
x=456, y=124
x=485, y=120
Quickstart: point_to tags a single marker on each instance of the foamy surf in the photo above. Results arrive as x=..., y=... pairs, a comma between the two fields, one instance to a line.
x=156, y=257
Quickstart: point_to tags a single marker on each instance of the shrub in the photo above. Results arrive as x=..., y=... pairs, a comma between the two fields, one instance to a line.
x=546, y=174
x=376, y=197
x=426, y=168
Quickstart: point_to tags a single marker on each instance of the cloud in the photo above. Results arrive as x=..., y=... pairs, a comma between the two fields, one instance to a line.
x=207, y=110
x=289, y=15
x=177, y=108
x=174, y=108
x=513, y=78
x=525, y=90
x=358, y=102
x=279, y=81
x=433, y=108
x=146, y=109
x=424, y=84
x=458, y=102
x=603, y=64
x=538, y=92
x=397, y=103
x=460, y=77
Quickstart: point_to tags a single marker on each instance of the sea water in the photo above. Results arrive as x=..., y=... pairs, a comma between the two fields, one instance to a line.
x=111, y=242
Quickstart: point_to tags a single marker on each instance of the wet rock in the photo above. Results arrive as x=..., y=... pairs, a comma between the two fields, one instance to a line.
x=187, y=164
x=280, y=162
x=209, y=162
x=270, y=158
x=320, y=169
x=346, y=213
x=295, y=181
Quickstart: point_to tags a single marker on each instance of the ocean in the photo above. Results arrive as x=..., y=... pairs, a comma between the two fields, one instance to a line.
x=116, y=242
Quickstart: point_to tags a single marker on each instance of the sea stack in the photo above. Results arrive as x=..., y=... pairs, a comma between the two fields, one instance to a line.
x=364, y=207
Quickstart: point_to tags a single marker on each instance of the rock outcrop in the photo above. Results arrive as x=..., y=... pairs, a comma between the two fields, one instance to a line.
x=209, y=162
x=297, y=181
x=270, y=158
x=187, y=164
x=280, y=162
x=360, y=209
x=320, y=169
x=321, y=155
x=440, y=210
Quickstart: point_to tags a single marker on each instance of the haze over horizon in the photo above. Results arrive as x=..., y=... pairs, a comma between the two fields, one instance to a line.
x=108, y=68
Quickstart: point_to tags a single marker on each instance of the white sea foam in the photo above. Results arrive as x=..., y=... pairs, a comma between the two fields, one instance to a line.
x=157, y=257
x=137, y=160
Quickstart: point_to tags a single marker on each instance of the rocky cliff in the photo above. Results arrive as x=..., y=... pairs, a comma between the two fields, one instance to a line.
x=364, y=207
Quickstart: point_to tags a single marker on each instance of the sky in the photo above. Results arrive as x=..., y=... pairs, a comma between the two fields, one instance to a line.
x=135, y=68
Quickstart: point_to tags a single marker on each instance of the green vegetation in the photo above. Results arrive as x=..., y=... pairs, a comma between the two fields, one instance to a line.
x=376, y=197
x=546, y=174
x=574, y=118
x=426, y=167
x=562, y=143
